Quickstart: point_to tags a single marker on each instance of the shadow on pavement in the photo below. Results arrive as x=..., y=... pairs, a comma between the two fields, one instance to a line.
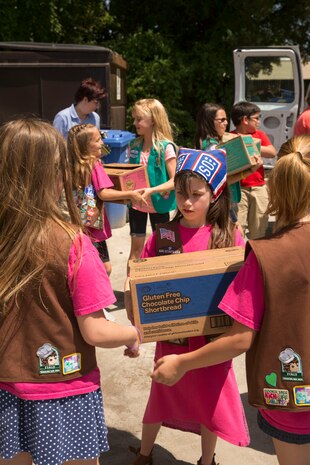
x=118, y=454
x=119, y=304
x=259, y=440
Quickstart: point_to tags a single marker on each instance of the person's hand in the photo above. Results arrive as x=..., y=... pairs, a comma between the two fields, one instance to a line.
x=134, y=350
x=137, y=198
x=131, y=353
x=258, y=164
x=147, y=192
x=168, y=370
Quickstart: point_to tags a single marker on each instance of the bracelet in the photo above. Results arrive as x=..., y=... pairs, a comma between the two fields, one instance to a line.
x=139, y=334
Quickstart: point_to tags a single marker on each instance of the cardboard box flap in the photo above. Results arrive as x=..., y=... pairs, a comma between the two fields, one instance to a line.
x=122, y=166
x=214, y=259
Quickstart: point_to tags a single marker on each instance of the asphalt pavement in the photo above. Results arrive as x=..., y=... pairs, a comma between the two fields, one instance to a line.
x=126, y=384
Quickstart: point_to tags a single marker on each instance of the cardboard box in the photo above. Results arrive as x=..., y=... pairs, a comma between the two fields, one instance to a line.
x=177, y=296
x=240, y=150
x=127, y=177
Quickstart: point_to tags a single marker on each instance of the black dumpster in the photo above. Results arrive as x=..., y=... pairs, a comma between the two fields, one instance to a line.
x=41, y=79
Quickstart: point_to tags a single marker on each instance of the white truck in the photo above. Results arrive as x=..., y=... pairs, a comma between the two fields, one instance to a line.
x=271, y=77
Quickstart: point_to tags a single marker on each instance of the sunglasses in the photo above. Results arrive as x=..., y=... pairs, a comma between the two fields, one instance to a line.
x=221, y=120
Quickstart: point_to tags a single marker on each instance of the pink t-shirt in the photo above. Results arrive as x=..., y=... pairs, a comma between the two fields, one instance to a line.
x=244, y=302
x=100, y=180
x=91, y=291
x=144, y=157
x=208, y=396
x=302, y=125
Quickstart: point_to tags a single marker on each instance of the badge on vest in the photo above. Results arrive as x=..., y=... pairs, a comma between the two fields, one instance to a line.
x=48, y=359
x=291, y=366
x=167, y=234
x=302, y=396
x=276, y=397
x=71, y=363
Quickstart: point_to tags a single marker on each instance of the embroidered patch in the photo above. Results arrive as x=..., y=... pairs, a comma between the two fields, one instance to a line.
x=278, y=397
x=167, y=234
x=271, y=379
x=48, y=359
x=301, y=395
x=291, y=366
x=71, y=363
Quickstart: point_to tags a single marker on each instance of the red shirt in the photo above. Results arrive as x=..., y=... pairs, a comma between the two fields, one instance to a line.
x=258, y=177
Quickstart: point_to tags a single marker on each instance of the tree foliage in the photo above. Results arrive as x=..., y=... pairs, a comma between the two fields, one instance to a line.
x=57, y=21
x=177, y=51
x=192, y=43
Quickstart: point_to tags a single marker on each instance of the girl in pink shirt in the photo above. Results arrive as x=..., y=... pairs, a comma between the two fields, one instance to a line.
x=85, y=151
x=53, y=288
x=249, y=301
x=206, y=401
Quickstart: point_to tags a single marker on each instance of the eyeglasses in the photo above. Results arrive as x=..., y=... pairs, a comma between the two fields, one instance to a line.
x=221, y=120
x=257, y=118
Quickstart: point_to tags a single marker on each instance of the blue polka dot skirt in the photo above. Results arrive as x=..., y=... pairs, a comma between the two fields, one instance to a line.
x=53, y=431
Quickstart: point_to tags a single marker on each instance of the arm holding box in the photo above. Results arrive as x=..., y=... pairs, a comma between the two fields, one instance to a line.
x=268, y=151
x=108, y=195
x=232, y=178
x=166, y=186
x=171, y=368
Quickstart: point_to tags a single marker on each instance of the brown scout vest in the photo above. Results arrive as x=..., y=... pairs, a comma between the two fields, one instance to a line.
x=168, y=239
x=40, y=340
x=278, y=363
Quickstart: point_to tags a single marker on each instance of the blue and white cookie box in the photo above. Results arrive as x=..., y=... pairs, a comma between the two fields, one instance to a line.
x=177, y=296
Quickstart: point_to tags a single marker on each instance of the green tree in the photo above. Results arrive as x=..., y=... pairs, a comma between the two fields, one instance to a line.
x=58, y=21
x=178, y=51
x=197, y=39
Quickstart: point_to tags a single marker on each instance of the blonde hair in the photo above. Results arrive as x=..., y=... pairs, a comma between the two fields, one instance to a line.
x=289, y=182
x=33, y=166
x=81, y=160
x=161, y=126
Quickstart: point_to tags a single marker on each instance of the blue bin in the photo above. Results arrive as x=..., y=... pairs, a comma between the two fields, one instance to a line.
x=117, y=141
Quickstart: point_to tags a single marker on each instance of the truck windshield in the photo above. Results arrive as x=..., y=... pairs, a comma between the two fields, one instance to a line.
x=269, y=79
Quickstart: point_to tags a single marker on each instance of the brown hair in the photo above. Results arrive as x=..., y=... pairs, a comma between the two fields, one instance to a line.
x=205, y=123
x=223, y=233
x=90, y=89
x=289, y=182
x=81, y=160
x=33, y=167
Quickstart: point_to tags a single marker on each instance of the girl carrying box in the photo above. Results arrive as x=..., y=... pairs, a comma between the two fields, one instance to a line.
x=205, y=401
x=269, y=301
x=85, y=152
